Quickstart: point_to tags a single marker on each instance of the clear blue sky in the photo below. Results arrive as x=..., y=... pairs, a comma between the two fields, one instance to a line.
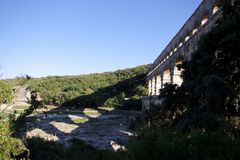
x=71, y=37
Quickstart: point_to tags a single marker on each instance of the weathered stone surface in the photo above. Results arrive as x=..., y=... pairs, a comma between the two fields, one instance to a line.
x=107, y=131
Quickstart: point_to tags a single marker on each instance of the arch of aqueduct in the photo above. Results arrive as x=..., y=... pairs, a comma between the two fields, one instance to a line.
x=164, y=68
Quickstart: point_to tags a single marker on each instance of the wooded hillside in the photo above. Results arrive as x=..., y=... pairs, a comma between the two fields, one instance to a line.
x=109, y=89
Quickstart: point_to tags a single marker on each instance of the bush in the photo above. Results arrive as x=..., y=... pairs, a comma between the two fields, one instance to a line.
x=156, y=144
x=79, y=150
x=6, y=92
x=47, y=150
x=76, y=150
x=10, y=148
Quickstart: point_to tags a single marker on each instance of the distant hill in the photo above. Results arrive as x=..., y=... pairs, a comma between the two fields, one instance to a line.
x=121, y=88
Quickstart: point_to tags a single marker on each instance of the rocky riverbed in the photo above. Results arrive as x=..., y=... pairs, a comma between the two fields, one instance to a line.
x=103, y=130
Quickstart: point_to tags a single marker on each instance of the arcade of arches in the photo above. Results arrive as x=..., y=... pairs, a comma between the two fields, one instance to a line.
x=169, y=75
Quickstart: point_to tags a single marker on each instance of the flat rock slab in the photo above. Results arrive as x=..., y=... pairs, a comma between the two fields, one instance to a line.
x=110, y=130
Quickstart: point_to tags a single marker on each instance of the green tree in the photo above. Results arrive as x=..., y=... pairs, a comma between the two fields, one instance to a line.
x=6, y=92
x=10, y=148
x=210, y=91
x=92, y=90
x=212, y=76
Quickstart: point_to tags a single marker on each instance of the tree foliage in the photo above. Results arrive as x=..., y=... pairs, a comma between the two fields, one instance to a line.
x=155, y=144
x=6, y=92
x=10, y=148
x=210, y=91
x=35, y=104
x=100, y=89
x=124, y=94
x=212, y=76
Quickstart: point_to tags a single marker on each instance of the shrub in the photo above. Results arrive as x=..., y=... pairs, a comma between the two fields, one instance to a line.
x=10, y=148
x=156, y=144
x=76, y=150
x=79, y=150
x=6, y=92
x=47, y=150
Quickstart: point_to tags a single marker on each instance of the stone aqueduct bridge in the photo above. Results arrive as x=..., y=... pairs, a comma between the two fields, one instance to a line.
x=164, y=69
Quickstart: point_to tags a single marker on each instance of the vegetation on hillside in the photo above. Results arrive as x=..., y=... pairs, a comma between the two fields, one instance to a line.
x=6, y=92
x=124, y=94
x=110, y=89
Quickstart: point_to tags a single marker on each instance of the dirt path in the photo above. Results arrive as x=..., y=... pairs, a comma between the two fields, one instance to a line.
x=105, y=130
